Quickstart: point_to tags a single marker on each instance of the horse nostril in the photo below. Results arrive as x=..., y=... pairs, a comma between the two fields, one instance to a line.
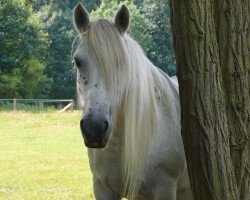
x=106, y=126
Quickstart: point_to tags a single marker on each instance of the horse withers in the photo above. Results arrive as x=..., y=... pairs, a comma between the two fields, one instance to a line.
x=131, y=122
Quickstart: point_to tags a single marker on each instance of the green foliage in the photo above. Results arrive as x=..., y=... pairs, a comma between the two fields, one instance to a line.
x=160, y=50
x=23, y=50
x=59, y=68
x=35, y=84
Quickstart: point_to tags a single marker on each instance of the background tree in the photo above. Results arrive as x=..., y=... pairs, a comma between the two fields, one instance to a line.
x=23, y=51
x=160, y=50
x=212, y=46
x=61, y=34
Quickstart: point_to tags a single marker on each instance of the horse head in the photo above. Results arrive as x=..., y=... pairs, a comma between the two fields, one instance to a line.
x=96, y=64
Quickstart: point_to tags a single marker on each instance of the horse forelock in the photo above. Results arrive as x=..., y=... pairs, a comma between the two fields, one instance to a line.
x=132, y=80
x=110, y=53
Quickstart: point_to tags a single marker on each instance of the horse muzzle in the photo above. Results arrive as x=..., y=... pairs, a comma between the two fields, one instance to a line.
x=95, y=132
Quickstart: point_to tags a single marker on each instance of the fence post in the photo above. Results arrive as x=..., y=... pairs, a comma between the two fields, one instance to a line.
x=14, y=104
x=41, y=104
x=72, y=105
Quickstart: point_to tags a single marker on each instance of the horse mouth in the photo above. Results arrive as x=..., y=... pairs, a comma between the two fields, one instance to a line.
x=96, y=142
x=95, y=145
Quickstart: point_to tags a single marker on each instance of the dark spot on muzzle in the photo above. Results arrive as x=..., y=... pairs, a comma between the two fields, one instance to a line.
x=95, y=132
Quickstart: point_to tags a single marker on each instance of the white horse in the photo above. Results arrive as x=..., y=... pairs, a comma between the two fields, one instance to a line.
x=131, y=122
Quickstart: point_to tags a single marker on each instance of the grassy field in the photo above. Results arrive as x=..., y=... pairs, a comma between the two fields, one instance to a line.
x=42, y=156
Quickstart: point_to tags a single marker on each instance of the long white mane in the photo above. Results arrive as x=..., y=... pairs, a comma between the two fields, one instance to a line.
x=136, y=88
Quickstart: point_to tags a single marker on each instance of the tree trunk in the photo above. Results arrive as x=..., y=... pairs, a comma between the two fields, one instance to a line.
x=212, y=47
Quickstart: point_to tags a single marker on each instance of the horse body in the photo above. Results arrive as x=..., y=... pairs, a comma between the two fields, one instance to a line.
x=131, y=122
x=164, y=173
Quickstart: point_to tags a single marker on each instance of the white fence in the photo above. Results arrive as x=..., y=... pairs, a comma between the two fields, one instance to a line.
x=41, y=102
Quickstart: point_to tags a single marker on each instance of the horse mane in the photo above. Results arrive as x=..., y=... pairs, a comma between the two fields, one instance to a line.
x=136, y=87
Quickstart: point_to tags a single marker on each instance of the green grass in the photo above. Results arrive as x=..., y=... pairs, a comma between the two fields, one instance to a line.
x=42, y=156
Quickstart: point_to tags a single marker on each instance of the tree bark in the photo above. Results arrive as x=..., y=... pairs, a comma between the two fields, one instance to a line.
x=212, y=47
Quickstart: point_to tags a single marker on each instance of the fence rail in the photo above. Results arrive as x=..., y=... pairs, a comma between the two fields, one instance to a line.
x=40, y=101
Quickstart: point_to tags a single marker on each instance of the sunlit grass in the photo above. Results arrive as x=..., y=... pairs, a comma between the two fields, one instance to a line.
x=42, y=156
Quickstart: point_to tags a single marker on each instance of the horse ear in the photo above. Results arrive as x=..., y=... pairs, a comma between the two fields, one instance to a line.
x=122, y=19
x=81, y=18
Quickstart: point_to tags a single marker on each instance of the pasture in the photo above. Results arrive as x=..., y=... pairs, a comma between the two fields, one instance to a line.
x=42, y=156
